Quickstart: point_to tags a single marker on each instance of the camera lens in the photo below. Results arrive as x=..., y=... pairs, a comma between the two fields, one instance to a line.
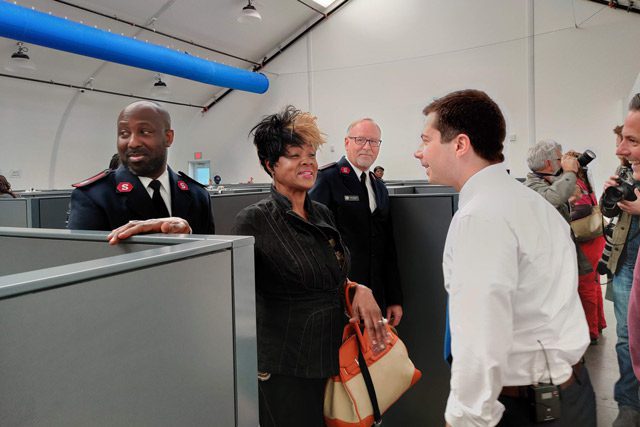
x=586, y=158
x=613, y=195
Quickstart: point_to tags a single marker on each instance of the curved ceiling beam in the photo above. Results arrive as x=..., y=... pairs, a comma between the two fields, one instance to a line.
x=19, y=23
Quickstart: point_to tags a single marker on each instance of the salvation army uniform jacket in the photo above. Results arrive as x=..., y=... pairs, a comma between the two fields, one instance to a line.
x=369, y=236
x=114, y=197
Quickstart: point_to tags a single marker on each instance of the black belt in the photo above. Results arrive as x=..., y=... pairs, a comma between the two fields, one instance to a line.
x=521, y=391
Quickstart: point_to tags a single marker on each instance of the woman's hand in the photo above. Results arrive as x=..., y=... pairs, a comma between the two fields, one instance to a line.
x=394, y=314
x=169, y=225
x=364, y=308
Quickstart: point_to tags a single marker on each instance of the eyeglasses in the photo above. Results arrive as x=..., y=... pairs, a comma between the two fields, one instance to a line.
x=361, y=140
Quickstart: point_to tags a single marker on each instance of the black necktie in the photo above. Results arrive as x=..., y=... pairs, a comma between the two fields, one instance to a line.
x=365, y=190
x=158, y=202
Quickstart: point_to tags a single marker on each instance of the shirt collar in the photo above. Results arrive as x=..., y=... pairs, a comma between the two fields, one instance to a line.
x=164, y=180
x=285, y=203
x=484, y=178
x=357, y=170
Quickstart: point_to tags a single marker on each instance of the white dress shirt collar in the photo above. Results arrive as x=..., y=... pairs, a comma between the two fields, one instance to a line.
x=478, y=180
x=372, y=195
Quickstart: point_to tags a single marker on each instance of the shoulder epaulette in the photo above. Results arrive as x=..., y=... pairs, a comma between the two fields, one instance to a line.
x=327, y=166
x=93, y=179
x=188, y=178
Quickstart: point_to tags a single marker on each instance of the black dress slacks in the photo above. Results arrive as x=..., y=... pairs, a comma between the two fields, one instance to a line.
x=286, y=401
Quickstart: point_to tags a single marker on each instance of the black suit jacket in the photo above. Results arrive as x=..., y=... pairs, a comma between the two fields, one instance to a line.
x=113, y=198
x=369, y=236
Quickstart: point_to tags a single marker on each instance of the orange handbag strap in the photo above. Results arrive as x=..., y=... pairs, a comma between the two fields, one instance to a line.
x=348, y=286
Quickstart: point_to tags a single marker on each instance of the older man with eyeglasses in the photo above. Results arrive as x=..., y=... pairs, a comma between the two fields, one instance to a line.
x=360, y=203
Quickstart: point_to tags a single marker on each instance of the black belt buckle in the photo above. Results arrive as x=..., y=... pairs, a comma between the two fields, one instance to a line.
x=545, y=402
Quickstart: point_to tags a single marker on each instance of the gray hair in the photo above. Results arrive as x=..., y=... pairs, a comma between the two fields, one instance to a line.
x=365, y=119
x=540, y=152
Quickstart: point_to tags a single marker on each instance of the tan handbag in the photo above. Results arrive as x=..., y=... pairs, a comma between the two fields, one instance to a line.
x=589, y=227
x=368, y=384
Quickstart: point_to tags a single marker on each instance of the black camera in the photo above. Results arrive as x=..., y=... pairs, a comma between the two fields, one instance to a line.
x=585, y=158
x=623, y=191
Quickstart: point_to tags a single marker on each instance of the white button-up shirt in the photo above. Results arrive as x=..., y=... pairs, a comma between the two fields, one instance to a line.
x=510, y=270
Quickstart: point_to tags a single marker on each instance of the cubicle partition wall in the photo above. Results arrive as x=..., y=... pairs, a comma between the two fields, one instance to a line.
x=45, y=193
x=50, y=211
x=420, y=224
x=400, y=189
x=226, y=207
x=14, y=213
x=156, y=331
x=115, y=322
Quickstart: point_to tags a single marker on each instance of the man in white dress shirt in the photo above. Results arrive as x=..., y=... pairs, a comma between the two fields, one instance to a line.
x=510, y=271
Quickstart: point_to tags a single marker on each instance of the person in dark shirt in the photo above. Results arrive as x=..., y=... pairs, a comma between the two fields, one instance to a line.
x=301, y=269
x=360, y=203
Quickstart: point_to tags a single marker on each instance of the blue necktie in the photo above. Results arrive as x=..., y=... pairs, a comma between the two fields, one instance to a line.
x=447, y=338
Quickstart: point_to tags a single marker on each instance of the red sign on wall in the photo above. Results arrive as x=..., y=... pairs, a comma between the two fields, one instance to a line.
x=197, y=155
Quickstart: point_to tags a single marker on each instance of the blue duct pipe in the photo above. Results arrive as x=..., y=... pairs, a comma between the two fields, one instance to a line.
x=26, y=25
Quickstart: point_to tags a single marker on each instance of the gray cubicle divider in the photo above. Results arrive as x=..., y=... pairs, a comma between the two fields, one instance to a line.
x=14, y=213
x=400, y=189
x=49, y=211
x=156, y=331
x=45, y=193
x=226, y=207
x=420, y=224
x=433, y=189
x=52, y=211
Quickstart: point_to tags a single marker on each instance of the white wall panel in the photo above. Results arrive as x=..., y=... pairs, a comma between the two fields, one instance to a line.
x=375, y=58
x=583, y=79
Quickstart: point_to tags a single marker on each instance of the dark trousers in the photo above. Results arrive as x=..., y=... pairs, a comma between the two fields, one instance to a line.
x=578, y=403
x=287, y=401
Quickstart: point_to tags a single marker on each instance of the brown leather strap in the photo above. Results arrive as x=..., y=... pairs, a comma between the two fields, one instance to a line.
x=521, y=391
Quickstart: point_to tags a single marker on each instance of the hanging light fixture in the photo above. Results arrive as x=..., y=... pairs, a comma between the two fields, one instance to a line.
x=159, y=89
x=249, y=14
x=20, y=61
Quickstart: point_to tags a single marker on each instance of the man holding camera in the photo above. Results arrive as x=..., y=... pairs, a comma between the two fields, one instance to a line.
x=622, y=200
x=554, y=177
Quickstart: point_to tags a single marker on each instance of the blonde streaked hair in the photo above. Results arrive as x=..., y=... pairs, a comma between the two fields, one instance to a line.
x=304, y=125
x=289, y=128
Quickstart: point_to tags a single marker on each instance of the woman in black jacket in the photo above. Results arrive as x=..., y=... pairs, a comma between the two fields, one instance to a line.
x=301, y=270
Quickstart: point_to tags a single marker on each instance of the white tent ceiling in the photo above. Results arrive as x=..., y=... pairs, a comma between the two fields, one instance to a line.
x=210, y=23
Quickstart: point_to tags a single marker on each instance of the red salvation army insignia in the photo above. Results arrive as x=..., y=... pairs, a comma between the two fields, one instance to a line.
x=183, y=185
x=345, y=170
x=124, y=187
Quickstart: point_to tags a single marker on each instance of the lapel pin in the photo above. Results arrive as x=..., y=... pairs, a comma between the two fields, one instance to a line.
x=183, y=185
x=345, y=170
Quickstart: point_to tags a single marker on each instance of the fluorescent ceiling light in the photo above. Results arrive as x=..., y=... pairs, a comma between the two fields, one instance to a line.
x=323, y=3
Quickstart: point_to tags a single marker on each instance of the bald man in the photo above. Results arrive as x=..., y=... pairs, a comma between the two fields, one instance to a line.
x=360, y=204
x=143, y=195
